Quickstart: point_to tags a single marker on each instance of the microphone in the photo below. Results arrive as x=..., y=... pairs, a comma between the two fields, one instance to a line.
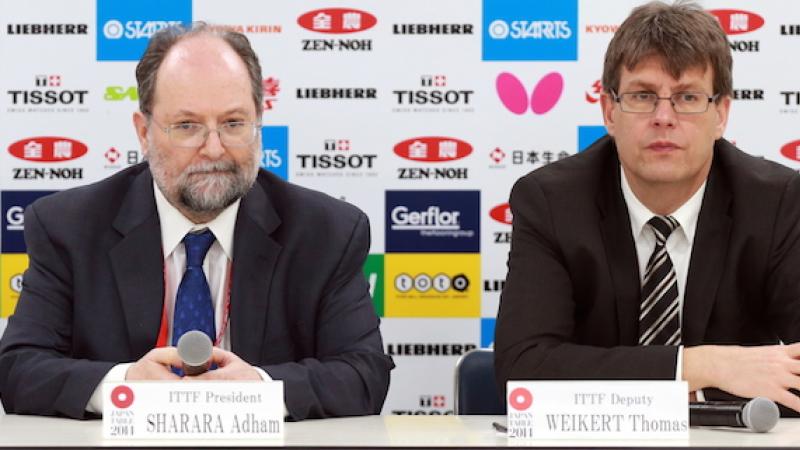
x=759, y=414
x=194, y=348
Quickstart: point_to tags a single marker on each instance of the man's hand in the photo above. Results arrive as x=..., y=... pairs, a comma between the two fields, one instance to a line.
x=763, y=371
x=229, y=367
x=155, y=365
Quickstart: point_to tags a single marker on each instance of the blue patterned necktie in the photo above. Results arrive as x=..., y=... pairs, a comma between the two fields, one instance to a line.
x=193, y=307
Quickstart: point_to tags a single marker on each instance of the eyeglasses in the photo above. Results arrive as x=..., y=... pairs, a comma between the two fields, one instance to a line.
x=194, y=135
x=646, y=102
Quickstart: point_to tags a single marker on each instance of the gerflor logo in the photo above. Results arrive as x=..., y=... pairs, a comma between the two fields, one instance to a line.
x=543, y=98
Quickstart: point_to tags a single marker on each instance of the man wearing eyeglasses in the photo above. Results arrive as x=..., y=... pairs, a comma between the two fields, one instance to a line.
x=662, y=251
x=196, y=238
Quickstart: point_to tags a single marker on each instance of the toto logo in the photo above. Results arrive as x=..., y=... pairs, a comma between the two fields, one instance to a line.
x=501, y=213
x=734, y=21
x=792, y=150
x=337, y=20
x=47, y=149
x=515, y=98
x=122, y=397
x=520, y=399
x=433, y=149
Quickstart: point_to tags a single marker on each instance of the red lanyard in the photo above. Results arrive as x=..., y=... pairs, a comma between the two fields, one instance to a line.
x=163, y=331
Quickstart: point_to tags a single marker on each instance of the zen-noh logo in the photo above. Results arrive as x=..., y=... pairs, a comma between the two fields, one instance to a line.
x=431, y=149
x=502, y=213
x=47, y=149
x=734, y=21
x=337, y=20
x=792, y=150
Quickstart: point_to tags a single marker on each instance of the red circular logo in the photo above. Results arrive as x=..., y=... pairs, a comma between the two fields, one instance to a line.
x=520, y=399
x=122, y=397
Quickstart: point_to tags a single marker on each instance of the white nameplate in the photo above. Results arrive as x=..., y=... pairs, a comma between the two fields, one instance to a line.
x=598, y=409
x=196, y=409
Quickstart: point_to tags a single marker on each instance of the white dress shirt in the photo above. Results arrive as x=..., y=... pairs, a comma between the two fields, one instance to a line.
x=679, y=243
x=174, y=227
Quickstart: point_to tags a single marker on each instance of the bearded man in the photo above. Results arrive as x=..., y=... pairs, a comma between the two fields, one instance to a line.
x=195, y=238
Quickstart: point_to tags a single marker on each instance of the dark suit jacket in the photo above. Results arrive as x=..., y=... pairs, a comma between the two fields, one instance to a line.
x=570, y=306
x=93, y=296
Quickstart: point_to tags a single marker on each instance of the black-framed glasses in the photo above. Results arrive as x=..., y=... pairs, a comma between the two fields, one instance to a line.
x=646, y=102
x=194, y=135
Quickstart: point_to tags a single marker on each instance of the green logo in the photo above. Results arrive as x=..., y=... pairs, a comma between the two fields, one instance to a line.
x=373, y=271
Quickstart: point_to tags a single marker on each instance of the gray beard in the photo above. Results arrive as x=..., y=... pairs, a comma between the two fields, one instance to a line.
x=202, y=193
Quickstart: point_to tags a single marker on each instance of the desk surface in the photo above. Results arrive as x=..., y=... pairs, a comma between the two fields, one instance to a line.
x=376, y=431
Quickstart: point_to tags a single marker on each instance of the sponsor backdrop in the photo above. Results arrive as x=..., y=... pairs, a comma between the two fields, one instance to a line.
x=421, y=113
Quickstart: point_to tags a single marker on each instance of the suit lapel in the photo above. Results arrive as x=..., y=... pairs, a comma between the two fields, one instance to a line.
x=620, y=249
x=137, y=263
x=254, y=260
x=708, y=255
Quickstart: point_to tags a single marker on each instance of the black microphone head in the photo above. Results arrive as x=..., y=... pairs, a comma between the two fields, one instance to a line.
x=760, y=414
x=194, y=348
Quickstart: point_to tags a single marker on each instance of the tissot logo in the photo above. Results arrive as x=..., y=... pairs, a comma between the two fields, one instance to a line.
x=436, y=28
x=47, y=28
x=49, y=95
x=428, y=349
x=430, y=405
x=434, y=92
x=433, y=149
x=337, y=93
x=338, y=159
x=337, y=20
x=792, y=150
x=47, y=149
x=502, y=213
x=734, y=21
x=791, y=97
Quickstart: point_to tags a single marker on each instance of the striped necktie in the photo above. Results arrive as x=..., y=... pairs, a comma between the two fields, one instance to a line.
x=659, y=315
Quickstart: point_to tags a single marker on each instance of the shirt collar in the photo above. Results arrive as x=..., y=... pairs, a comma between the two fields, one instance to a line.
x=686, y=215
x=175, y=225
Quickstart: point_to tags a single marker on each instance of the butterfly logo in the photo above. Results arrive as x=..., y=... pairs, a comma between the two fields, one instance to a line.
x=544, y=97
